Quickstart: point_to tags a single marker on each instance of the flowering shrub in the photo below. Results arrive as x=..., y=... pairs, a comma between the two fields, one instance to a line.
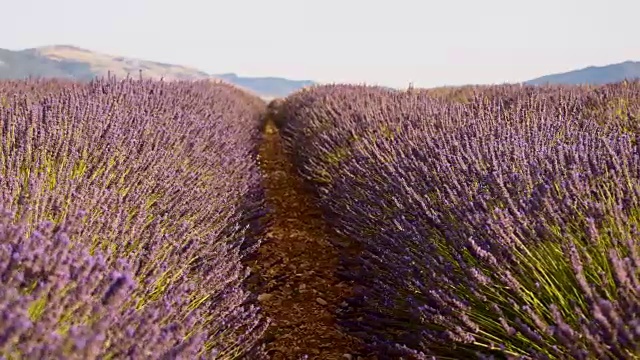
x=167, y=177
x=505, y=226
x=58, y=301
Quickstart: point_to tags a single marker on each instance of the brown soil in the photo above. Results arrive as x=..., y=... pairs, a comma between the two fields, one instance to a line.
x=295, y=268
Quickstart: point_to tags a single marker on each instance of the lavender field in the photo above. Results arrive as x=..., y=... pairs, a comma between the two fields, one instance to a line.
x=127, y=207
x=493, y=222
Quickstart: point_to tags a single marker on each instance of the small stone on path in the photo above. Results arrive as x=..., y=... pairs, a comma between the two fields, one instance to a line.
x=321, y=301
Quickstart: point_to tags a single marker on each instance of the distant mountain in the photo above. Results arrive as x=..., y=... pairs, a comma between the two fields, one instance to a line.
x=66, y=61
x=593, y=75
x=20, y=64
x=277, y=87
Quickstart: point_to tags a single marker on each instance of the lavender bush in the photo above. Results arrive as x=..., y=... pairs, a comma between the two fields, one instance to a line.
x=502, y=227
x=167, y=175
x=57, y=301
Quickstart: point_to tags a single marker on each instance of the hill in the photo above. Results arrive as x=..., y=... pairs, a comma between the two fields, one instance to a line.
x=66, y=61
x=592, y=75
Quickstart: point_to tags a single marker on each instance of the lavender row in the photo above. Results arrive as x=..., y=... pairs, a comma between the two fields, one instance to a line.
x=505, y=225
x=166, y=180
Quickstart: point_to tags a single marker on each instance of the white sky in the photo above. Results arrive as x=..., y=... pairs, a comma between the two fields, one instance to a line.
x=394, y=42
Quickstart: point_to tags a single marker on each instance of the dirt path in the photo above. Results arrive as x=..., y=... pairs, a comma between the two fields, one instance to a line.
x=295, y=269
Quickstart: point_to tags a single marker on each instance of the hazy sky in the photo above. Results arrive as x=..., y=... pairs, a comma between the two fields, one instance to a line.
x=393, y=42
